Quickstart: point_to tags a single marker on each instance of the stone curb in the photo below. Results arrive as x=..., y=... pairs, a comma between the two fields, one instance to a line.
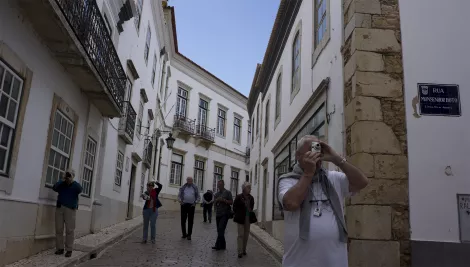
x=272, y=245
x=82, y=252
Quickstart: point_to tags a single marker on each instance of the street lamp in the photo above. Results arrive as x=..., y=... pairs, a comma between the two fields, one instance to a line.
x=170, y=141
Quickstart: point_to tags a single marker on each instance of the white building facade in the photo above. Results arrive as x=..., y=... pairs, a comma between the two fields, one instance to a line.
x=353, y=73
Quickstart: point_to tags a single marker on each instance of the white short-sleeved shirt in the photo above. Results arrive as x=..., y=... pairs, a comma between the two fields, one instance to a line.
x=323, y=248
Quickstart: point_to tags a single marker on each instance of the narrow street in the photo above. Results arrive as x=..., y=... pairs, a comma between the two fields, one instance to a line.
x=172, y=250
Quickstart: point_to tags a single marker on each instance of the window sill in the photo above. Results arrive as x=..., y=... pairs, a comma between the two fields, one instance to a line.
x=319, y=49
x=236, y=142
x=266, y=139
x=220, y=136
x=276, y=122
x=293, y=94
x=117, y=188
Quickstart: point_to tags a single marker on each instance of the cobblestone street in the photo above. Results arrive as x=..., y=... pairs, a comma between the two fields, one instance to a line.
x=172, y=250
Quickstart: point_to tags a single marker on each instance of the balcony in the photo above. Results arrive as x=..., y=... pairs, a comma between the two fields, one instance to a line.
x=204, y=136
x=127, y=123
x=147, y=157
x=75, y=33
x=183, y=127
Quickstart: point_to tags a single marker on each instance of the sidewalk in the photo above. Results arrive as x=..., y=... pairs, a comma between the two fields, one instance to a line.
x=85, y=247
x=272, y=245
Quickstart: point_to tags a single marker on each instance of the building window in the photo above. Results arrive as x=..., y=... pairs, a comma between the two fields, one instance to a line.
x=119, y=165
x=61, y=145
x=154, y=68
x=221, y=122
x=234, y=183
x=237, y=127
x=256, y=173
x=147, y=129
x=218, y=175
x=202, y=115
x=108, y=25
x=320, y=21
x=252, y=135
x=128, y=90
x=88, y=166
x=278, y=97
x=251, y=176
x=176, y=172
x=138, y=13
x=181, y=103
x=199, y=174
x=296, y=64
x=257, y=121
x=11, y=89
x=142, y=181
x=147, y=44
x=266, y=123
x=139, y=117
x=249, y=133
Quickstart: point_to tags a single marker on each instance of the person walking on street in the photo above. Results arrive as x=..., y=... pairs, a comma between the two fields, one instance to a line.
x=244, y=216
x=188, y=197
x=207, y=203
x=67, y=205
x=223, y=202
x=150, y=210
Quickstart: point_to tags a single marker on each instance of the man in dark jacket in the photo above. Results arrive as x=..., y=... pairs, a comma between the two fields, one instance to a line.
x=67, y=205
x=207, y=203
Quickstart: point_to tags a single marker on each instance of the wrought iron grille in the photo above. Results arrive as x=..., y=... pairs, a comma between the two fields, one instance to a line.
x=128, y=119
x=148, y=148
x=85, y=19
x=183, y=123
x=205, y=132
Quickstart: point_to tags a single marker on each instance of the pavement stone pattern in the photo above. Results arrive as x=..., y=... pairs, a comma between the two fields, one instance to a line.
x=171, y=250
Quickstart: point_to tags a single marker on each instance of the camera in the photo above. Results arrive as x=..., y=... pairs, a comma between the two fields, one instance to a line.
x=316, y=147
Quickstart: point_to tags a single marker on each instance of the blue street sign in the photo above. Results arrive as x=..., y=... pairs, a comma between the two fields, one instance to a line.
x=439, y=99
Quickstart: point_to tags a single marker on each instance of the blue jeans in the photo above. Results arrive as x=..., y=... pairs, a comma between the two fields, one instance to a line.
x=149, y=217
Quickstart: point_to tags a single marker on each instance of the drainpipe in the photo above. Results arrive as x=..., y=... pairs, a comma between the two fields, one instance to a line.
x=99, y=175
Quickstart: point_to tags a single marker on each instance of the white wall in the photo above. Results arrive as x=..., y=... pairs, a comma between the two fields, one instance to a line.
x=435, y=50
x=328, y=65
x=48, y=78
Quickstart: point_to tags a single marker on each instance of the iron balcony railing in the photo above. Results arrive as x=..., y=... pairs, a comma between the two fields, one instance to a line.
x=84, y=17
x=183, y=123
x=205, y=132
x=128, y=120
x=148, y=148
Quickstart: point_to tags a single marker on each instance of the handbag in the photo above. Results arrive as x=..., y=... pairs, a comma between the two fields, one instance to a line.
x=253, y=218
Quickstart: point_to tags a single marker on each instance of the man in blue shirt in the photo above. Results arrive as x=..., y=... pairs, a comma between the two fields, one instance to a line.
x=188, y=197
x=67, y=205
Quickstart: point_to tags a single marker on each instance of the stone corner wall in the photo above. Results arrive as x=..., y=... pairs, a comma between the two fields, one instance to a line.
x=375, y=123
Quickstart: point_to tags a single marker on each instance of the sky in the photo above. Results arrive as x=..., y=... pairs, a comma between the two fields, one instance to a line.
x=226, y=37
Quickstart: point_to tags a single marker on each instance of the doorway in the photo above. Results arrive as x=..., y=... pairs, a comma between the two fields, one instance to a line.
x=130, y=199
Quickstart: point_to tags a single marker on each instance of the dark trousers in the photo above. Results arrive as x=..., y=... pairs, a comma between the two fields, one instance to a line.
x=187, y=212
x=207, y=210
x=221, y=225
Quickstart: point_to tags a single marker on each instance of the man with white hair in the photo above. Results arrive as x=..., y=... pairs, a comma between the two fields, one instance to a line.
x=67, y=205
x=313, y=199
x=188, y=197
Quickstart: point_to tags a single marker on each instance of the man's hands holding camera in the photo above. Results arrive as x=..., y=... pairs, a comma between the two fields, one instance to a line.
x=308, y=162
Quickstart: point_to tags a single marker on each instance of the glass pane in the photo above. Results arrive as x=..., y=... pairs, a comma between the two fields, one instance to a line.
x=3, y=155
x=55, y=176
x=61, y=142
x=1, y=73
x=63, y=163
x=63, y=126
x=57, y=160
x=3, y=105
x=12, y=111
x=67, y=146
x=51, y=158
x=69, y=130
x=49, y=178
x=55, y=138
x=7, y=82
x=57, y=120
x=15, y=92
x=5, y=135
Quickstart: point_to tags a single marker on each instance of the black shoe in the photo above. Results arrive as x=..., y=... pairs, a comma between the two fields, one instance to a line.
x=244, y=253
x=184, y=236
x=240, y=255
x=204, y=221
x=59, y=252
x=189, y=237
x=215, y=248
x=68, y=254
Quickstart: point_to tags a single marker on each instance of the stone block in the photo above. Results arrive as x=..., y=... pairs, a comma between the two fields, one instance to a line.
x=391, y=166
x=393, y=63
x=382, y=192
x=369, y=253
x=363, y=61
x=362, y=109
x=358, y=20
x=363, y=161
x=400, y=223
x=373, y=137
x=369, y=222
x=374, y=40
x=385, y=22
x=377, y=84
x=361, y=6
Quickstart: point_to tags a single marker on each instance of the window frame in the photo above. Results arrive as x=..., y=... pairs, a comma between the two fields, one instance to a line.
x=142, y=180
x=180, y=99
x=234, y=181
x=87, y=167
x=140, y=117
x=277, y=111
x=154, y=69
x=199, y=170
x=12, y=126
x=201, y=109
x=148, y=38
x=296, y=71
x=266, y=119
x=137, y=18
x=237, y=130
x=221, y=119
x=257, y=121
x=119, y=168
x=217, y=176
x=250, y=135
x=319, y=45
x=174, y=166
